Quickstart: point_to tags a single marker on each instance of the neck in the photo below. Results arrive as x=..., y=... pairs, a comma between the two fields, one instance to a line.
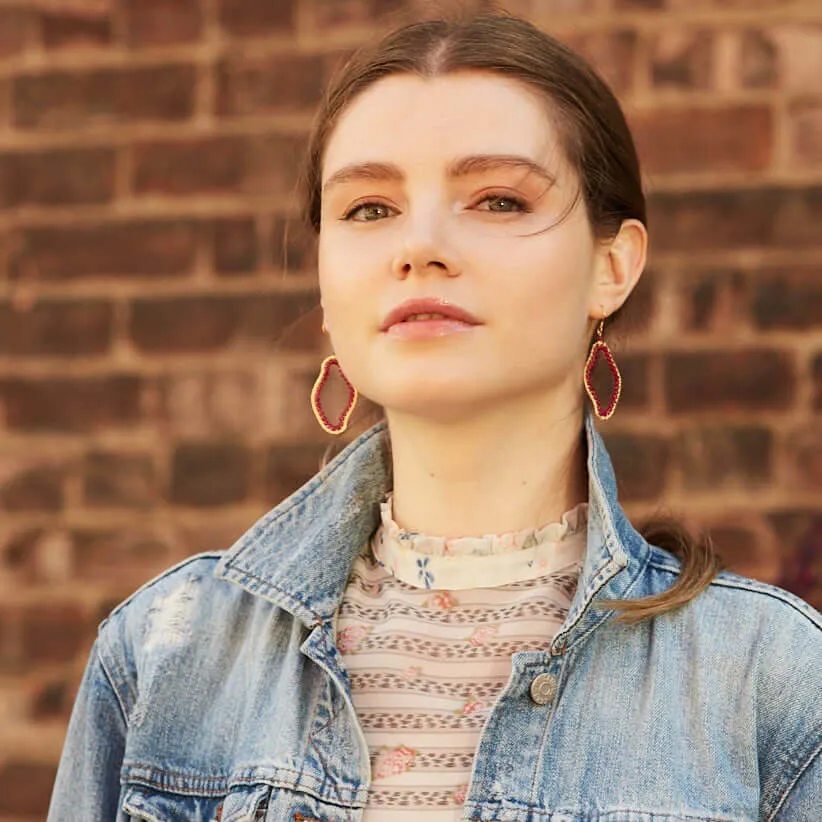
x=487, y=474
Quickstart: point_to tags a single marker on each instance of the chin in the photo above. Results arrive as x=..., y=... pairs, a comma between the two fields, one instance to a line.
x=443, y=405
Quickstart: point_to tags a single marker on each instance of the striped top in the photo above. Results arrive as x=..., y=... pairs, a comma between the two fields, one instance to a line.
x=426, y=629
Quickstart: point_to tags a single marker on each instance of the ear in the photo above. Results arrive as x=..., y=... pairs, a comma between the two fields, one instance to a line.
x=619, y=266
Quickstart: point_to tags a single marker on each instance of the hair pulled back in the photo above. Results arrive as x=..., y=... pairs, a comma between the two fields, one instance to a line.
x=596, y=141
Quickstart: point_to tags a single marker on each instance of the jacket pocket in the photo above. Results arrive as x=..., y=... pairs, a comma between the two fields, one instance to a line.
x=240, y=804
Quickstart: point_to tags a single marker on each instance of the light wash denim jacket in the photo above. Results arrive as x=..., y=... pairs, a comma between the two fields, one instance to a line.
x=216, y=690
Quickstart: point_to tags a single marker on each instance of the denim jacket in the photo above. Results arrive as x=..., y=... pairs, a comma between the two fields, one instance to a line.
x=216, y=691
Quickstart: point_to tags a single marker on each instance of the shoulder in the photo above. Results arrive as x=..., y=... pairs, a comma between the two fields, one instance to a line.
x=764, y=644
x=176, y=587
x=740, y=592
x=184, y=616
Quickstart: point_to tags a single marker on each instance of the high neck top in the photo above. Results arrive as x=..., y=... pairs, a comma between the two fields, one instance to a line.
x=457, y=563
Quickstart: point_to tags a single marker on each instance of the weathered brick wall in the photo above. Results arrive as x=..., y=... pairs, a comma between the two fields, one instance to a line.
x=154, y=369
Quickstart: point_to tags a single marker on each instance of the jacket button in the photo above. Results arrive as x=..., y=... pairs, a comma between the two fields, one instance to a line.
x=544, y=689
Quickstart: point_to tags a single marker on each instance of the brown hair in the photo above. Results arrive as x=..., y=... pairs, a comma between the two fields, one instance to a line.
x=597, y=142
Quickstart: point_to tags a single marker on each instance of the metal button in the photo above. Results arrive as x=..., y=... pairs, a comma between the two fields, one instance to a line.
x=544, y=689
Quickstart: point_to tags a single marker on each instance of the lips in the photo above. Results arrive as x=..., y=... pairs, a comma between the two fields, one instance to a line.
x=428, y=305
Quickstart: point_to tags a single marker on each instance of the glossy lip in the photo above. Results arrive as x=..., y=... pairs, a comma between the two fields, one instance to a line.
x=428, y=305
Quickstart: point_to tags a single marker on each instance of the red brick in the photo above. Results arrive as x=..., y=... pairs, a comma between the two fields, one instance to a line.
x=644, y=5
x=55, y=632
x=798, y=47
x=288, y=467
x=203, y=404
x=33, y=487
x=716, y=457
x=682, y=59
x=262, y=85
x=215, y=164
x=806, y=132
x=125, y=249
x=118, y=480
x=711, y=220
x=293, y=246
x=17, y=27
x=714, y=299
x=758, y=60
x=103, y=97
x=236, y=247
x=52, y=699
x=19, y=559
x=333, y=15
x=803, y=458
x=162, y=22
x=641, y=464
x=25, y=787
x=287, y=322
x=816, y=376
x=81, y=405
x=251, y=18
x=611, y=54
x=209, y=323
x=638, y=311
x=272, y=164
x=736, y=138
x=744, y=550
x=56, y=177
x=799, y=535
x=186, y=324
x=123, y=555
x=210, y=473
x=788, y=298
x=749, y=380
x=222, y=165
x=56, y=328
x=636, y=375
x=75, y=31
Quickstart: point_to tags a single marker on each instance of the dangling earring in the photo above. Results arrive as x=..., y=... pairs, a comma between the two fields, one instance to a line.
x=316, y=405
x=600, y=347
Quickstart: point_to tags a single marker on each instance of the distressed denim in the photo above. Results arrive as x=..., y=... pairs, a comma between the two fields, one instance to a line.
x=215, y=692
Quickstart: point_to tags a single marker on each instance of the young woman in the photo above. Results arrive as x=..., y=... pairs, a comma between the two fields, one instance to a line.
x=454, y=619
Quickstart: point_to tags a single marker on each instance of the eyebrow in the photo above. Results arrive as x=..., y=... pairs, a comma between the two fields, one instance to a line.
x=461, y=167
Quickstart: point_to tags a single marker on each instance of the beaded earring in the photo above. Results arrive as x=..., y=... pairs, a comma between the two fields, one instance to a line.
x=598, y=349
x=316, y=402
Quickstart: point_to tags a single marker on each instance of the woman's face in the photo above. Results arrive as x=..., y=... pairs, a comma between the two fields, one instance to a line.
x=424, y=233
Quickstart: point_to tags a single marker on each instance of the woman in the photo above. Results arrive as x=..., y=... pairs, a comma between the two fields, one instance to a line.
x=458, y=621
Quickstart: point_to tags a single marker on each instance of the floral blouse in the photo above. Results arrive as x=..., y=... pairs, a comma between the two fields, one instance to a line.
x=426, y=628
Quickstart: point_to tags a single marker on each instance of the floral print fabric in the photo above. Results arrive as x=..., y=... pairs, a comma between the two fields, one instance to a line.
x=427, y=660
x=472, y=562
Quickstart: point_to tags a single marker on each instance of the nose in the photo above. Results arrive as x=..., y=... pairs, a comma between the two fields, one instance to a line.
x=425, y=247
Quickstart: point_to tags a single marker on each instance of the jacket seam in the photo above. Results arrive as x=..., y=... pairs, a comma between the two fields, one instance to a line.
x=110, y=682
x=739, y=586
x=211, y=555
x=793, y=783
x=285, y=777
x=265, y=583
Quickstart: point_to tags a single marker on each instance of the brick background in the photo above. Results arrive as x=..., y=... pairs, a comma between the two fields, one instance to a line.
x=157, y=337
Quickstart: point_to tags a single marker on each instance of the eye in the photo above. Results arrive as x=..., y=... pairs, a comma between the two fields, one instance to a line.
x=370, y=204
x=519, y=203
x=505, y=198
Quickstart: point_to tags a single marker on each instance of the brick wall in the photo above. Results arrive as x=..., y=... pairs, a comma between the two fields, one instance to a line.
x=157, y=344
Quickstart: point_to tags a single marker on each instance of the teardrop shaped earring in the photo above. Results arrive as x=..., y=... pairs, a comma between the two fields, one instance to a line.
x=316, y=402
x=600, y=348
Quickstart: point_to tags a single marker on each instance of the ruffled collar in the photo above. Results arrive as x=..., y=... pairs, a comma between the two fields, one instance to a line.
x=488, y=561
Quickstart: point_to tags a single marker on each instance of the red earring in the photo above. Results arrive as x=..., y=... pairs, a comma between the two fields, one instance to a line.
x=316, y=403
x=600, y=348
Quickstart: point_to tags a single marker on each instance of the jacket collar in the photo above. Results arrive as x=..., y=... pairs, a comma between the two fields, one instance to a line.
x=300, y=553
